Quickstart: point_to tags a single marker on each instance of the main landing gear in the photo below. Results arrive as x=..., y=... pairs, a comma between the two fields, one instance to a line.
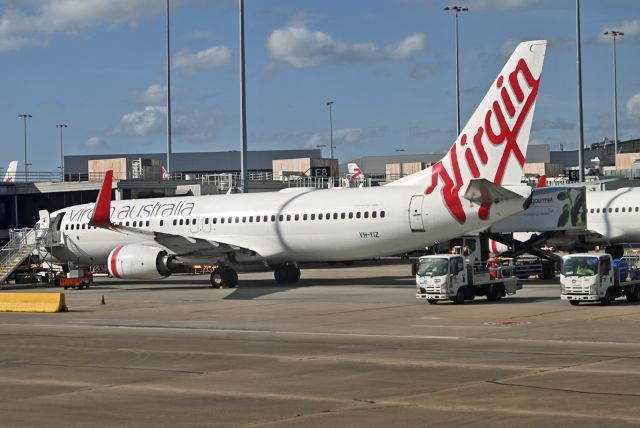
x=286, y=274
x=224, y=277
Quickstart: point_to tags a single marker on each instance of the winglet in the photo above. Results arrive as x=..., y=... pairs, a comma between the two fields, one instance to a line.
x=102, y=210
x=542, y=182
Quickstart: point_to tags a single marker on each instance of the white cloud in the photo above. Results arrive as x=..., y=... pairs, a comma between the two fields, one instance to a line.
x=153, y=95
x=36, y=21
x=208, y=59
x=152, y=120
x=95, y=143
x=632, y=107
x=302, y=47
x=345, y=136
x=501, y=5
x=506, y=49
x=629, y=28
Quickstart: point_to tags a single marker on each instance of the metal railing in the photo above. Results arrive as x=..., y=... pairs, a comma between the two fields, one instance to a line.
x=21, y=243
x=207, y=178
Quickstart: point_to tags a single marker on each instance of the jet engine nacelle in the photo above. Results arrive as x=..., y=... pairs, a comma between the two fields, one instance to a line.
x=497, y=248
x=136, y=261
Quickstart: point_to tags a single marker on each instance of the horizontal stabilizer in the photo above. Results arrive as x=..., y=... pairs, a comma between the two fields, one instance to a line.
x=482, y=191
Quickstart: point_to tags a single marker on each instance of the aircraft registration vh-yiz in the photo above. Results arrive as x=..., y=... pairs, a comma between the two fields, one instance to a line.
x=476, y=183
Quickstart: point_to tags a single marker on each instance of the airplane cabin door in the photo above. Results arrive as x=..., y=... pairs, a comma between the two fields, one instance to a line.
x=415, y=214
x=206, y=225
x=194, y=225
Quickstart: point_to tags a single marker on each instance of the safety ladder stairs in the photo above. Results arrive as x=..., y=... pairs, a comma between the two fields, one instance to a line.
x=21, y=243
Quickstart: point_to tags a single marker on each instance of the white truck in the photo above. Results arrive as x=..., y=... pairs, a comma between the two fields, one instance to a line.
x=594, y=277
x=450, y=277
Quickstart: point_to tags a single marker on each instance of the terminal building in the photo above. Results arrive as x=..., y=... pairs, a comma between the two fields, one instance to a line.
x=20, y=201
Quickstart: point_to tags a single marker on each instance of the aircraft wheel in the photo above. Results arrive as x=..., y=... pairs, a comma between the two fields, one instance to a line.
x=224, y=278
x=294, y=273
x=281, y=274
x=616, y=251
x=432, y=301
x=574, y=302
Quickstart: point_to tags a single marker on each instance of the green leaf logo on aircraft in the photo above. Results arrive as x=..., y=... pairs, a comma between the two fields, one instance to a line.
x=573, y=209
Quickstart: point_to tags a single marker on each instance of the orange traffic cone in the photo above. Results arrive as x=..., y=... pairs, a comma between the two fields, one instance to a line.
x=102, y=301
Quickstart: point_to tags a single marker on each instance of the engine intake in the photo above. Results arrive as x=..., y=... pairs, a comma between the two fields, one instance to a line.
x=136, y=261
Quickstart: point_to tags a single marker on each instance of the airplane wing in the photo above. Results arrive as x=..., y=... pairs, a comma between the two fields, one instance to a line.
x=178, y=244
x=483, y=191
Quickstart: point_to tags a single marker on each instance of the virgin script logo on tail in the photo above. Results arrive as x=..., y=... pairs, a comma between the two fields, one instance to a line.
x=357, y=172
x=504, y=136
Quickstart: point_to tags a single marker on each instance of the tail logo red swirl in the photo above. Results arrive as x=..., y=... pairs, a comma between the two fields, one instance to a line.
x=500, y=135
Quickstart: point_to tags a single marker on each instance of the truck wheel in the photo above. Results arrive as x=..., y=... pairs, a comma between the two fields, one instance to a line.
x=608, y=298
x=459, y=299
x=495, y=292
x=432, y=301
x=632, y=296
x=574, y=302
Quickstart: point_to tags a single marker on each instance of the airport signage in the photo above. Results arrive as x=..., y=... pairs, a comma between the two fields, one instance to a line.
x=321, y=171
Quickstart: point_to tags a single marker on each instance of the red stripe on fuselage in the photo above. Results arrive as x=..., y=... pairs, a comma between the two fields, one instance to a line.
x=113, y=266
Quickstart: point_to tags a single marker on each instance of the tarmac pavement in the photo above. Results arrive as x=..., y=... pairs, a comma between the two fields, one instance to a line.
x=347, y=346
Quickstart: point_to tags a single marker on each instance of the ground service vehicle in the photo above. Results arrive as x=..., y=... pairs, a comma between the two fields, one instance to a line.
x=475, y=248
x=593, y=277
x=450, y=277
x=76, y=278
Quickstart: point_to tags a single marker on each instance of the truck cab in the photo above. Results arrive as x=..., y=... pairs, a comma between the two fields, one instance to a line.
x=593, y=277
x=439, y=277
x=452, y=277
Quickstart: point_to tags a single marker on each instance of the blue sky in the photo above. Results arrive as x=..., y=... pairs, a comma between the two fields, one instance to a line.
x=99, y=66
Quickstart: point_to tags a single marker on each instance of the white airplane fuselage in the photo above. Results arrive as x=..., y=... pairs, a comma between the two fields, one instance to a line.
x=613, y=216
x=301, y=225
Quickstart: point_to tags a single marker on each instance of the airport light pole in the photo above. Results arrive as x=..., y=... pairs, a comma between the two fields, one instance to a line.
x=579, y=72
x=614, y=34
x=320, y=146
x=168, y=93
x=243, y=107
x=457, y=9
x=24, y=117
x=61, y=126
x=329, y=104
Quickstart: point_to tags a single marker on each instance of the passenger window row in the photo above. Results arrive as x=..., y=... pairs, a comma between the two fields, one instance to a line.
x=296, y=217
x=83, y=226
x=247, y=219
x=615, y=210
